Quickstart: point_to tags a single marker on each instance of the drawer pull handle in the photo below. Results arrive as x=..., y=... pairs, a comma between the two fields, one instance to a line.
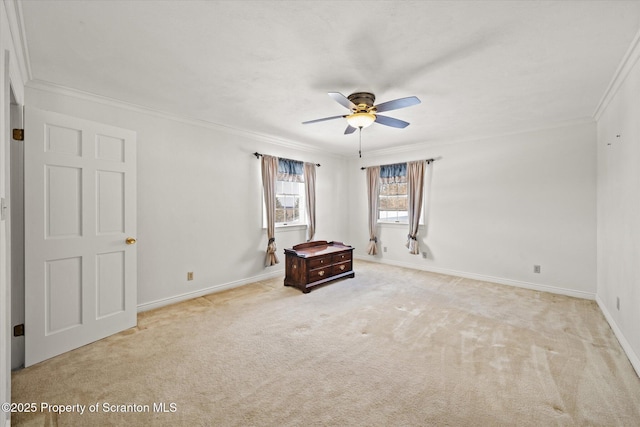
x=295, y=266
x=342, y=267
x=321, y=273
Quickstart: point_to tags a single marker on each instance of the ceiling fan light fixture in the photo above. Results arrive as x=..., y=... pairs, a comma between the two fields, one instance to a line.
x=361, y=120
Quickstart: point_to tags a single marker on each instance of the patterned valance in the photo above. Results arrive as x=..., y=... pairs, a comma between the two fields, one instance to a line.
x=290, y=170
x=396, y=172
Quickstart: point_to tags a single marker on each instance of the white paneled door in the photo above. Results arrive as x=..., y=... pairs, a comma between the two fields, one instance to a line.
x=80, y=228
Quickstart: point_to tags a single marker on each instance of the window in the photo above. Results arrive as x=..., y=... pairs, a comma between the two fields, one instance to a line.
x=290, y=203
x=290, y=194
x=393, y=203
x=393, y=198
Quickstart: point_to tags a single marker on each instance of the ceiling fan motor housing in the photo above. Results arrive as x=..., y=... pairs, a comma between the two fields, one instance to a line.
x=362, y=99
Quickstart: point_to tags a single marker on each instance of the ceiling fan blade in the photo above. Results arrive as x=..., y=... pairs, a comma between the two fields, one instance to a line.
x=389, y=121
x=323, y=119
x=349, y=129
x=397, y=103
x=342, y=100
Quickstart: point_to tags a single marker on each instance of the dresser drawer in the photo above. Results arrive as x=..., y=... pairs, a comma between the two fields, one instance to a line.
x=342, y=257
x=319, y=262
x=319, y=274
x=341, y=268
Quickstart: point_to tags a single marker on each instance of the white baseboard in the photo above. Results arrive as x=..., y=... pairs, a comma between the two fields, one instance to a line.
x=209, y=290
x=484, y=278
x=631, y=355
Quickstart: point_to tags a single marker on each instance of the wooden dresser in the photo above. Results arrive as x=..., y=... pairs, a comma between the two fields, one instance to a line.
x=315, y=263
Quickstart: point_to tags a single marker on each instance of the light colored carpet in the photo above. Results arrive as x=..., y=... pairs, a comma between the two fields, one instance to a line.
x=392, y=347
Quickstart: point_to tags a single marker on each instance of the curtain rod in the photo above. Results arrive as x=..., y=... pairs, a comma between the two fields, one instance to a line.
x=258, y=155
x=427, y=160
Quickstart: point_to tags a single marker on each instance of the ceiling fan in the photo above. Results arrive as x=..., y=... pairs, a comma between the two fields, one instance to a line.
x=364, y=112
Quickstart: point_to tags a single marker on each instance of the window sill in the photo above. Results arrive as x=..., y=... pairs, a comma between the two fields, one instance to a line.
x=292, y=227
x=396, y=224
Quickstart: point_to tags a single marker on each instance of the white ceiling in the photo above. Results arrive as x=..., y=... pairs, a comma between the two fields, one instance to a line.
x=480, y=68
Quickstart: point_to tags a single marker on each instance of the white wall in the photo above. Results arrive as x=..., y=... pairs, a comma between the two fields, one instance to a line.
x=498, y=206
x=619, y=209
x=200, y=199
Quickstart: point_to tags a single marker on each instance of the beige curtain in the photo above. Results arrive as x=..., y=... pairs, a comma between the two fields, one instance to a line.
x=373, y=186
x=269, y=173
x=310, y=192
x=415, y=189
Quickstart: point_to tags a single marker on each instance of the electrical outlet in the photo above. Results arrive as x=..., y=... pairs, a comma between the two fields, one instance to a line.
x=384, y=249
x=424, y=255
x=618, y=303
x=536, y=269
x=190, y=275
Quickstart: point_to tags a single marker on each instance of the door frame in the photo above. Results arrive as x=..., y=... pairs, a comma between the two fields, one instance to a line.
x=16, y=192
x=10, y=86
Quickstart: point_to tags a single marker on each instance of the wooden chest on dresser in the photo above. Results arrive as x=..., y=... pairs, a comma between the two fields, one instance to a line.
x=316, y=263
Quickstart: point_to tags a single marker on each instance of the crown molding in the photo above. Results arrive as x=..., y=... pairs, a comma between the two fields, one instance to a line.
x=626, y=65
x=421, y=146
x=116, y=103
x=45, y=86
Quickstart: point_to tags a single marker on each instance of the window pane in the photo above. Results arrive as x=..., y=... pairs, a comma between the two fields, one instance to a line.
x=384, y=203
x=393, y=202
x=402, y=188
x=289, y=202
x=403, y=203
x=387, y=215
x=291, y=215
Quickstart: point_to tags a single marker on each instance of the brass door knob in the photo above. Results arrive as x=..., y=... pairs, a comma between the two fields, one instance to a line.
x=130, y=241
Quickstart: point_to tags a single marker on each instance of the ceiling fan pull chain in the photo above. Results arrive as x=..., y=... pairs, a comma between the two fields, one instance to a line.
x=360, y=146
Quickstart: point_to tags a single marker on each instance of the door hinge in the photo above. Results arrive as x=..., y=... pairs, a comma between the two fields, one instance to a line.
x=18, y=134
x=18, y=330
